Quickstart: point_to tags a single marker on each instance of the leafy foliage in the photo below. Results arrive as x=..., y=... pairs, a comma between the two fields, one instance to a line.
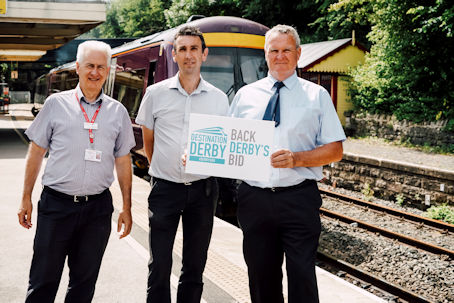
x=409, y=71
x=132, y=18
x=338, y=20
x=443, y=212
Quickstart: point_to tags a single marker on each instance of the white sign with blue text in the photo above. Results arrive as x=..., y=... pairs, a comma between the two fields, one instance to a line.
x=229, y=147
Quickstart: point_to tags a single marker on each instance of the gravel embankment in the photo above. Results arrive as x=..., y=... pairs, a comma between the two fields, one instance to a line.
x=427, y=274
x=397, y=225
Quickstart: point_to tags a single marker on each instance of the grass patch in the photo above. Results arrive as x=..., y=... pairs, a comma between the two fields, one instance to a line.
x=444, y=213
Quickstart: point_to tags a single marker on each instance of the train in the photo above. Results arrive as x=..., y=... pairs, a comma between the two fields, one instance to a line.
x=236, y=58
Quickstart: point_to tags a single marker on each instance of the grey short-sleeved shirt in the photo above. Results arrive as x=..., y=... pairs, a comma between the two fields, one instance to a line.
x=165, y=108
x=59, y=127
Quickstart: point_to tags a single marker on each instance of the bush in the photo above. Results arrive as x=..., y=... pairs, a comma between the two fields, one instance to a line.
x=444, y=213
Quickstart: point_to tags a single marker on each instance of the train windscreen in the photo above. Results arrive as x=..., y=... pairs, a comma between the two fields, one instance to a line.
x=231, y=68
x=128, y=89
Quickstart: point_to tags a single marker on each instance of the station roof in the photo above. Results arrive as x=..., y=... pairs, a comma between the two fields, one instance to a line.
x=30, y=28
x=315, y=56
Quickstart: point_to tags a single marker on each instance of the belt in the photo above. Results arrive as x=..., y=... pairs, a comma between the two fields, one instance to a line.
x=183, y=183
x=74, y=198
x=299, y=185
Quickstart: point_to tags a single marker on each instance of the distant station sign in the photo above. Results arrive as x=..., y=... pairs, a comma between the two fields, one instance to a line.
x=3, y=4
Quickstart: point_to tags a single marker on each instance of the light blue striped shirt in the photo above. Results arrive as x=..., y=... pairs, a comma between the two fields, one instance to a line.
x=308, y=120
x=59, y=127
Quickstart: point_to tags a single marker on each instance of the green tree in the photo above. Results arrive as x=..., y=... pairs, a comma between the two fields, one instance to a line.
x=339, y=20
x=300, y=14
x=133, y=18
x=409, y=70
x=180, y=10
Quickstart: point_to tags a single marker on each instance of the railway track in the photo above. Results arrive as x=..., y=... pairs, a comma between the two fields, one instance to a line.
x=374, y=280
x=339, y=252
x=388, y=210
x=419, y=220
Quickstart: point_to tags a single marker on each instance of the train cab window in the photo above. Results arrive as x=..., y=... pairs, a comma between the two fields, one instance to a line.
x=40, y=90
x=69, y=80
x=218, y=70
x=231, y=68
x=252, y=64
x=128, y=89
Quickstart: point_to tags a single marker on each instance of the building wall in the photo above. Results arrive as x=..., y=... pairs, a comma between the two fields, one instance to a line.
x=340, y=61
x=343, y=103
x=418, y=186
x=389, y=128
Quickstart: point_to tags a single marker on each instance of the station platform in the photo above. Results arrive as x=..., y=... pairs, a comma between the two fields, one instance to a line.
x=124, y=269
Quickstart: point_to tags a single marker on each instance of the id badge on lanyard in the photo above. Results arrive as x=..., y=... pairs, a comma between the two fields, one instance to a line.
x=90, y=153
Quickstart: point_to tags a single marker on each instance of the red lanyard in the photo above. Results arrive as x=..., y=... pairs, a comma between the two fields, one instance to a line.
x=90, y=130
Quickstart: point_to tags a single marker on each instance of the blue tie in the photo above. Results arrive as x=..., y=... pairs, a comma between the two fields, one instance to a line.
x=272, y=111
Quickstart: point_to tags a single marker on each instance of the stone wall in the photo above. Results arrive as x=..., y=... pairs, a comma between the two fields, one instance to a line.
x=388, y=127
x=419, y=186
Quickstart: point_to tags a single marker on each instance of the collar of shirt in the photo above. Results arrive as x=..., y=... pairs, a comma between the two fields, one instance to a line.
x=289, y=83
x=175, y=84
x=81, y=96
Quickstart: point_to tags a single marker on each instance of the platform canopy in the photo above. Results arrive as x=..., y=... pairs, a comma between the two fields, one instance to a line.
x=30, y=28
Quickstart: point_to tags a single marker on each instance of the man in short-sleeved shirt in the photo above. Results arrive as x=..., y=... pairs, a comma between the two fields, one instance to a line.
x=281, y=216
x=86, y=133
x=164, y=116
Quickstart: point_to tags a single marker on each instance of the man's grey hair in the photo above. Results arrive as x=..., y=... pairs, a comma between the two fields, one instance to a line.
x=282, y=29
x=86, y=46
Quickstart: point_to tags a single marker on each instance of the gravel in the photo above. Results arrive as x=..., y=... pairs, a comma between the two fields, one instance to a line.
x=427, y=274
x=359, y=195
x=426, y=234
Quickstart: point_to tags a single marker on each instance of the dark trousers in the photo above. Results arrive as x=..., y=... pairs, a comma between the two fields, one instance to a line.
x=77, y=230
x=168, y=202
x=277, y=223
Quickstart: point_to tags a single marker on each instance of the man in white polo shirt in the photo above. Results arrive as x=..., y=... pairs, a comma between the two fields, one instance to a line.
x=164, y=116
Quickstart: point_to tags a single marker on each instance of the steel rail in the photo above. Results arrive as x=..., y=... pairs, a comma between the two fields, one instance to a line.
x=372, y=279
x=401, y=238
x=415, y=218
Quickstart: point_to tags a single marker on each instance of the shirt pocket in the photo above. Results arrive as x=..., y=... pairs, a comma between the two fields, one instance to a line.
x=303, y=124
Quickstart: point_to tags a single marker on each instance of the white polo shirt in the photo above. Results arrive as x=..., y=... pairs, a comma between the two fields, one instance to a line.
x=165, y=108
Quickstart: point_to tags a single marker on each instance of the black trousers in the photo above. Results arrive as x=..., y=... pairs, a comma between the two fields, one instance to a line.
x=168, y=202
x=77, y=230
x=277, y=223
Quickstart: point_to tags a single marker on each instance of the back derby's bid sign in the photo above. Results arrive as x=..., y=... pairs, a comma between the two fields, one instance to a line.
x=229, y=147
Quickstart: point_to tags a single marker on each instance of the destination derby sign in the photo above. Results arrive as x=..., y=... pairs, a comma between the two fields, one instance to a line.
x=229, y=147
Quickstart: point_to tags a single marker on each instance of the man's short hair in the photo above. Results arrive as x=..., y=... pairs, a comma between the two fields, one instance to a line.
x=188, y=30
x=283, y=29
x=86, y=46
